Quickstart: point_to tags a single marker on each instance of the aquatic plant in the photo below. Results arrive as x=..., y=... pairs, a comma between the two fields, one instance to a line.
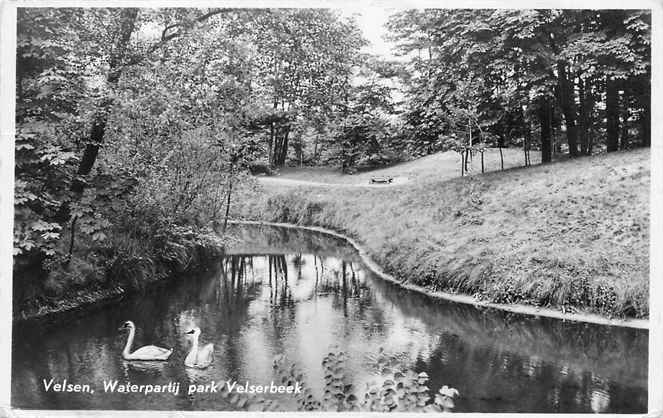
x=397, y=388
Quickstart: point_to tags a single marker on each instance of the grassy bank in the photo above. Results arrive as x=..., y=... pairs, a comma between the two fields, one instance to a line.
x=572, y=235
x=98, y=275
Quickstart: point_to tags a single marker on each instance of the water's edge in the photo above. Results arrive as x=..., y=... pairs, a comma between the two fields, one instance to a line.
x=90, y=300
x=459, y=298
x=83, y=301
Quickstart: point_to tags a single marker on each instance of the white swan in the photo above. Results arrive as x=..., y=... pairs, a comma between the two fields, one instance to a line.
x=198, y=358
x=149, y=352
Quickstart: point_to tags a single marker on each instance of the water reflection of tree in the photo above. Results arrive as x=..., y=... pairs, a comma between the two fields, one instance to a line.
x=280, y=292
x=319, y=271
x=237, y=286
x=265, y=239
x=298, y=261
x=341, y=281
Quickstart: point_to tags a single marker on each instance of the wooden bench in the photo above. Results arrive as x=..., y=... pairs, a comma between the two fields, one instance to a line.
x=381, y=180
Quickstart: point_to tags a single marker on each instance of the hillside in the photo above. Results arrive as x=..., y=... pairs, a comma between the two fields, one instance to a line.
x=570, y=235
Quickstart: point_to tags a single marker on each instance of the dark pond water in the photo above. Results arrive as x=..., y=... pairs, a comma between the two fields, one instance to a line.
x=299, y=294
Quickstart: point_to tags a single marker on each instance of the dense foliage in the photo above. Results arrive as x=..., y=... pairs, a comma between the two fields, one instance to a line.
x=536, y=78
x=132, y=123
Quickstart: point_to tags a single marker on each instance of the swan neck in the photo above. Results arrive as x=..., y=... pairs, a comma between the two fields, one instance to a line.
x=130, y=341
x=194, y=346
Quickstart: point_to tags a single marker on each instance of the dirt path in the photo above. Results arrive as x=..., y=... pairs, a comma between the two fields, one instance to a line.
x=439, y=166
x=294, y=182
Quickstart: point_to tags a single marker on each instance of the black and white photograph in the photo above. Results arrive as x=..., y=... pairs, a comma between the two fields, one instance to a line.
x=339, y=207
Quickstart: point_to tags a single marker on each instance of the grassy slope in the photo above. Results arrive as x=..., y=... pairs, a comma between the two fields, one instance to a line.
x=572, y=233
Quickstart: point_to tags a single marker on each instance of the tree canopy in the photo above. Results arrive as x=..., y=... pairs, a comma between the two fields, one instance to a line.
x=512, y=73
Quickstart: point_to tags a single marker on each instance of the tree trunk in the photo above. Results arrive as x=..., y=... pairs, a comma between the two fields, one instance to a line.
x=280, y=150
x=526, y=142
x=545, y=113
x=500, y=145
x=588, y=112
x=270, y=145
x=284, y=147
x=567, y=103
x=623, y=131
x=71, y=241
x=612, y=115
x=467, y=157
x=230, y=189
x=582, y=116
x=501, y=159
x=127, y=21
x=273, y=127
x=624, y=112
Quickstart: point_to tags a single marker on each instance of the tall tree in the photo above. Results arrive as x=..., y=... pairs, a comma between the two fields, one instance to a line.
x=523, y=58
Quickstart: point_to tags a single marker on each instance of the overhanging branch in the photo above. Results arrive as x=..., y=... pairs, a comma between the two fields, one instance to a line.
x=166, y=37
